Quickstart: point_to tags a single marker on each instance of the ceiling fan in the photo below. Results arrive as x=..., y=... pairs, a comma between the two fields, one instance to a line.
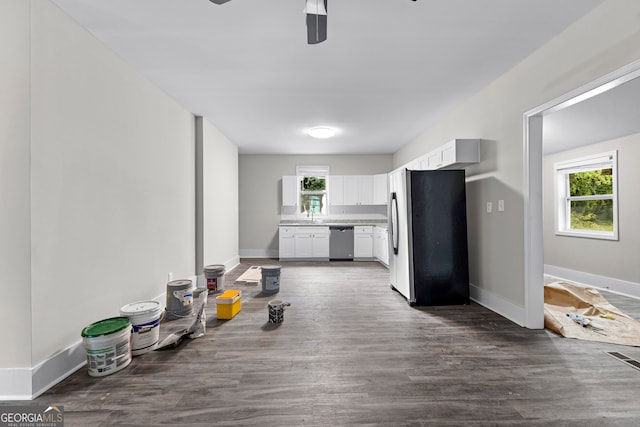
x=316, y=11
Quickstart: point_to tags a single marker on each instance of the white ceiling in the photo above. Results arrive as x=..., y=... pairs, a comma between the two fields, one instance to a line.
x=388, y=70
x=612, y=114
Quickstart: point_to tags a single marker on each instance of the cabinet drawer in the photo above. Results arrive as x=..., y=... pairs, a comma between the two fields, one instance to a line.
x=363, y=229
x=287, y=231
x=312, y=230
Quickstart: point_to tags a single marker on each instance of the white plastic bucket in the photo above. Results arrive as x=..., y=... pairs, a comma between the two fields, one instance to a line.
x=145, y=321
x=108, y=345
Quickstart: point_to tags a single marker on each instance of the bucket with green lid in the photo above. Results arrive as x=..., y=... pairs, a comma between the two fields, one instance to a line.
x=108, y=345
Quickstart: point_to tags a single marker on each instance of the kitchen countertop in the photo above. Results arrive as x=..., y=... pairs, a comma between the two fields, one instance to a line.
x=329, y=223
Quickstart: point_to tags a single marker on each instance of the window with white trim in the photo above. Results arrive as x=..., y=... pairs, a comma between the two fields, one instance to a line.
x=586, y=197
x=312, y=190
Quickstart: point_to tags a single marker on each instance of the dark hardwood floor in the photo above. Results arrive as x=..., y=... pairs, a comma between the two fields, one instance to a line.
x=352, y=352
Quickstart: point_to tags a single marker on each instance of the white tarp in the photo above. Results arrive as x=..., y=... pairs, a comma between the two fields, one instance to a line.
x=606, y=323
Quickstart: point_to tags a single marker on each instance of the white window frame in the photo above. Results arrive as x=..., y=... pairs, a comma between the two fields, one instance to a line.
x=563, y=199
x=301, y=172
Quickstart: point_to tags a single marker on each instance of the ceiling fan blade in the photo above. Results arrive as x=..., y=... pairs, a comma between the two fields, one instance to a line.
x=219, y=1
x=316, y=11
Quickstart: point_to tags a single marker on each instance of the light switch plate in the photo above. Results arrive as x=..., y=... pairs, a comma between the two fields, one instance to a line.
x=489, y=207
x=501, y=205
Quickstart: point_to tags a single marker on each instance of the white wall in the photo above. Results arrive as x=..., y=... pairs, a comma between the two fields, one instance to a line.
x=602, y=41
x=261, y=192
x=608, y=258
x=220, y=199
x=14, y=185
x=98, y=191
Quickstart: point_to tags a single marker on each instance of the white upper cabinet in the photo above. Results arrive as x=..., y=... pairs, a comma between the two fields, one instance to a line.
x=358, y=189
x=289, y=191
x=380, y=192
x=454, y=154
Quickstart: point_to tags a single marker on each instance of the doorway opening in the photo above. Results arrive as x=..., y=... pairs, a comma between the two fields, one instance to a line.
x=533, y=189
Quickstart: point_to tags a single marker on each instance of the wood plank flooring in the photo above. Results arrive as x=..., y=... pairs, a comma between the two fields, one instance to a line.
x=352, y=352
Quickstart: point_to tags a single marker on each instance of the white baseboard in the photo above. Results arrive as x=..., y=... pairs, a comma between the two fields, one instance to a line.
x=259, y=253
x=232, y=263
x=513, y=312
x=15, y=384
x=29, y=383
x=58, y=367
x=617, y=286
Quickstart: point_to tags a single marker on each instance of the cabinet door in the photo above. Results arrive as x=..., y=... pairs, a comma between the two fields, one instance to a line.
x=336, y=190
x=351, y=183
x=320, y=245
x=303, y=245
x=377, y=250
x=289, y=191
x=285, y=242
x=434, y=159
x=365, y=189
x=363, y=246
x=380, y=192
x=287, y=247
x=448, y=153
x=384, y=246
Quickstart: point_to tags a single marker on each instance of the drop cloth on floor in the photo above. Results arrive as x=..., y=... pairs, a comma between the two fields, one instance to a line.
x=610, y=325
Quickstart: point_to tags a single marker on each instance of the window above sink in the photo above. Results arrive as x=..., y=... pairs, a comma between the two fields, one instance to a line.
x=312, y=191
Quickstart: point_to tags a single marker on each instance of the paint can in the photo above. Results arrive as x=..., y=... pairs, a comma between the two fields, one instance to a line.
x=270, y=279
x=179, y=299
x=108, y=345
x=145, y=322
x=276, y=310
x=214, y=274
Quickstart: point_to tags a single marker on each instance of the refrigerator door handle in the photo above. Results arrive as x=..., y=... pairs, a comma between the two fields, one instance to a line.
x=394, y=223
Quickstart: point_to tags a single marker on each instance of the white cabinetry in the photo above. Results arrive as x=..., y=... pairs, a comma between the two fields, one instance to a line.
x=363, y=242
x=304, y=242
x=358, y=189
x=456, y=153
x=289, y=191
x=381, y=245
x=286, y=242
x=311, y=242
x=380, y=192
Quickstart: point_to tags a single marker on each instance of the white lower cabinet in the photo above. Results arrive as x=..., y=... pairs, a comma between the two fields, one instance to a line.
x=381, y=245
x=363, y=242
x=306, y=242
x=286, y=242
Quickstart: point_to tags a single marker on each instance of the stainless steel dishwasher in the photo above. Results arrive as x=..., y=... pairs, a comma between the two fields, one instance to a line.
x=341, y=243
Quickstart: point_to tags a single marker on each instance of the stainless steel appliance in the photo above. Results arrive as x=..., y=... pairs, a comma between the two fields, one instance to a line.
x=341, y=243
x=428, y=257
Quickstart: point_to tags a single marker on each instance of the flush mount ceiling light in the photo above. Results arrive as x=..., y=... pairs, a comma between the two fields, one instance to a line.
x=321, y=132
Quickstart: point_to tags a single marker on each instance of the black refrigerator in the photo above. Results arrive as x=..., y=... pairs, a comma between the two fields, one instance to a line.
x=428, y=261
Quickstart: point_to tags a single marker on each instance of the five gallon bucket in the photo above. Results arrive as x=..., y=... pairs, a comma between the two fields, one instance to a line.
x=145, y=321
x=270, y=279
x=108, y=345
x=179, y=299
x=214, y=274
